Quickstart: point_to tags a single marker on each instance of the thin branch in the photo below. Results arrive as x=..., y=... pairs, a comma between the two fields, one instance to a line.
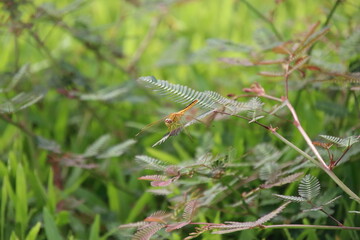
x=326, y=23
x=301, y=226
x=7, y=119
x=327, y=214
x=260, y=15
x=327, y=170
x=304, y=154
x=332, y=11
x=304, y=134
x=341, y=157
x=144, y=44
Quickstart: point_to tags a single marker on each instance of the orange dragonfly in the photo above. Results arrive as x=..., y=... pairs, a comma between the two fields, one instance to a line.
x=172, y=121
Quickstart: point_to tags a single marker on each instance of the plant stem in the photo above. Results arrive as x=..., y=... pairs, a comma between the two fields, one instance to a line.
x=336, y=4
x=341, y=157
x=21, y=127
x=301, y=226
x=326, y=170
x=304, y=154
x=144, y=44
x=304, y=134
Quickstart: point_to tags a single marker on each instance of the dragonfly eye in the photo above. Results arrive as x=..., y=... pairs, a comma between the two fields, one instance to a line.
x=168, y=120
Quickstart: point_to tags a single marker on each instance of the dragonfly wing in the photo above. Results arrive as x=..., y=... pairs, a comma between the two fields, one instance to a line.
x=149, y=126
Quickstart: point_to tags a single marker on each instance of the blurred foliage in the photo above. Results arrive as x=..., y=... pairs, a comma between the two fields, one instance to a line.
x=70, y=108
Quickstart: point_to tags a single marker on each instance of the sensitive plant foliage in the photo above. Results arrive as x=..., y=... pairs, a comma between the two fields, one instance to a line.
x=268, y=168
x=70, y=105
x=337, y=156
x=213, y=102
x=230, y=227
x=207, y=99
x=161, y=219
x=206, y=168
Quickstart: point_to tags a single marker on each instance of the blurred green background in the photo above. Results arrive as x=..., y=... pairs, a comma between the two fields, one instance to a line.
x=68, y=73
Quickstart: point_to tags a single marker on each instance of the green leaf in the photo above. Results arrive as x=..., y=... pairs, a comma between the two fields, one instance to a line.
x=51, y=192
x=163, y=156
x=4, y=199
x=138, y=207
x=21, y=208
x=20, y=101
x=14, y=236
x=150, y=163
x=226, y=45
x=342, y=142
x=290, y=198
x=95, y=228
x=117, y=150
x=351, y=46
x=309, y=187
x=113, y=196
x=51, y=231
x=47, y=144
x=98, y=146
x=103, y=94
x=33, y=234
x=38, y=188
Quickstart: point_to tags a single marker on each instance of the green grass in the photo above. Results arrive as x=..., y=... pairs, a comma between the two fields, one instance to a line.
x=67, y=49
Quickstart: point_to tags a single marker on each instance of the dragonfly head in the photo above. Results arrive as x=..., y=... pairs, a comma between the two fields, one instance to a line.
x=168, y=121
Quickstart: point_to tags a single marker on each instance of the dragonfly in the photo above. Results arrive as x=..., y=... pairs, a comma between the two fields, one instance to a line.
x=173, y=120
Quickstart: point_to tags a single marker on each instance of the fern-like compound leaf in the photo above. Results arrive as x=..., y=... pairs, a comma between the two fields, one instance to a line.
x=21, y=101
x=282, y=181
x=342, y=142
x=150, y=163
x=238, y=226
x=133, y=225
x=309, y=187
x=98, y=146
x=190, y=209
x=207, y=99
x=117, y=149
x=332, y=200
x=146, y=232
x=271, y=215
x=290, y=198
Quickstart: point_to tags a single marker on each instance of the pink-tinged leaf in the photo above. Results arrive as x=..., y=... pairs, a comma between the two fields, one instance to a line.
x=145, y=233
x=172, y=170
x=271, y=215
x=153, y=177
x=311, y=30
x=161, y=183
x=236, y=61
x=282, y=49
x=159, y=216
x=314, y=37
x=133, y=225
x=290, y=198
x=175, y=226
x=299, y=62
x=255, y=88
x=288, y=179
x=271, y=74
x=270, y=62
x=164, y=182
x=239, y=226
x=230, y=230
x=159, y=191
x=189, y=210
x=313, y=68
